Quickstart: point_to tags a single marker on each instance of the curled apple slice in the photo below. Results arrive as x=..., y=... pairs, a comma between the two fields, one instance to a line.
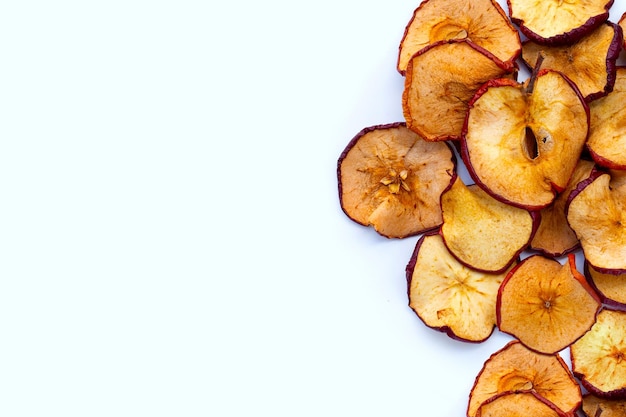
x=440, y=81
x=448, y=296
x=598, y=358
x=392, y=179
x=482, y=232
x=546, y=305
x=611, y=288
x=481, y=21
x=519, y=404
x=594, y=406
x=517, y=368
x=589, y=63
x=622, y=23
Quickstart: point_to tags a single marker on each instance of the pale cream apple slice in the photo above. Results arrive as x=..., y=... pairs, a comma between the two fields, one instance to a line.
x=594, y=406
x=546, y=305
x=519, y=404
x=447, y=295
x=482, y=232
x=481, y=21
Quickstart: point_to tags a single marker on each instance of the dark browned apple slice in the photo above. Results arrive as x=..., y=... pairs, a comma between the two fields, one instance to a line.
x=447, y=295
x=589, y=63
x=594, y=406
x=611, y=288
x=546, y=305
x=440, y=80
x=392, y=179
x=481, y=21
x=482, y=232
x=596, y=212
x=599, y=357
x=554, y=237
x=558, y=22
x=607, y=129
x=519, y=369
x=519, y=404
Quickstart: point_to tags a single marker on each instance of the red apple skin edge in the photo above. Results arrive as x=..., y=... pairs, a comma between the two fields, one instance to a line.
x=607, y=163
x=614, y=305
x=409, y=276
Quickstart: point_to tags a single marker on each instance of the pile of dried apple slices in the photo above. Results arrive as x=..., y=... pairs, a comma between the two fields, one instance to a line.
x=547, y=157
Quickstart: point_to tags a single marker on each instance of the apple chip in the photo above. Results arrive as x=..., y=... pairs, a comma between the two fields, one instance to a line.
x=518, y=404
x=522, y=142
x=622, y=23
x=519, y=369
x=611, y=288
x=481, y=21
x=440, y=81
x=589, y=63
x=598, y=358
x=546, y=305
x=594, y=406
x=481, y=232
x=558, y=22
x=607, y=129
x=448, y=296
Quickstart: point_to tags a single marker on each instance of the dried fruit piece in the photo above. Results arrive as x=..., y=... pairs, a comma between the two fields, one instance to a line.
x=448, y=296
x=481, y=21
x=440, y=81
x=481, y=232
x=517, y=368
x=589, y=63
x=392, y=179
x=599, y=357
x=611, y=288
x=622, y=23
x=594, y=406
x=546, y=305
x=518, y=404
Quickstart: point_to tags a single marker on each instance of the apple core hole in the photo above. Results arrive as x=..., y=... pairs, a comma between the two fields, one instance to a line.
x=530, y=144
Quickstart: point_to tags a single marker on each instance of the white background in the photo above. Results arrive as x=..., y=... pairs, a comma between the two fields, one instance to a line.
x=171, y=242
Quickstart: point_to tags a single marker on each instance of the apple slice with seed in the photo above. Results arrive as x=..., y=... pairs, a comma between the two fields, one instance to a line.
x=594, y=406
x=392, y=179
x=589, y=63
x=481, y=21
x=517, y=368
x=546, y=305
x=611, y=288
x=472, y=217
x=599, y=357
x=440, y=81
x=519, y=404
x=447, y=295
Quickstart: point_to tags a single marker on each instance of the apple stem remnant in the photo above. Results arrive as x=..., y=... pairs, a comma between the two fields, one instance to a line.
x=533, y=76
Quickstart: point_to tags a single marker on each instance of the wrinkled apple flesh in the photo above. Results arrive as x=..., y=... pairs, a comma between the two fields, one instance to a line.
x=594, y=406
x=519, y=404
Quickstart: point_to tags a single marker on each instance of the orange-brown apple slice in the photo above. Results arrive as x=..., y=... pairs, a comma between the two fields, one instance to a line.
x=519, y=404
x=611, y=288
x=546, y=305
x=481, y=21
x=622, y=23
x=594, y=406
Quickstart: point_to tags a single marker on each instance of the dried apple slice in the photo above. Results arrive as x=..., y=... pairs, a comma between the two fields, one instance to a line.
x=392, y=179
x=546, y=305
x=481, y=21
x=518, y=404
x=558, y=22
x=607, y=129
x=599, y=357
x=622, y=23
x=448, y=296
x=440, y=80
x=594, y=406
x=611, y=288
x=482, y=232
x=517, y=368
x=554, y=237
x=521, y=142
x=596, y=212
x=589, y=63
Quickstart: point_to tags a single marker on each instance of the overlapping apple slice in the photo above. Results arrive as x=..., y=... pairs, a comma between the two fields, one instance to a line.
x=392, y=179
x=589, y=63
x=447, y=295
x=481, y=21
x=440, y=80
x=622, y=23
x=471, y=217
x=611, y=288
x=596, y=211
x=521, y=142
x=594, y=406
x=519, y=404
x=519, y=369
x=546, y=305
x=558, y=22
x=599, y=357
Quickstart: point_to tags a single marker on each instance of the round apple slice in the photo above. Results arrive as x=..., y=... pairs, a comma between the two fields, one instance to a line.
x=596, y=212
x=594, y=406
x=392, y=179
x=598, y=358
x=517, y=368
x=611, y=288
x=558, y=22
x=482, y=232
x=481, y=21
x=546, y=305
x=440, y=81
x=589, y=63
x=521, y=142
x=448, y=296
x=607, y=129
x=519, y=404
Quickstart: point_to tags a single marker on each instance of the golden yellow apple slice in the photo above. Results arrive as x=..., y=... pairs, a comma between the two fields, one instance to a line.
x=611, y=288
x=594, y=406
x=519, y=404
